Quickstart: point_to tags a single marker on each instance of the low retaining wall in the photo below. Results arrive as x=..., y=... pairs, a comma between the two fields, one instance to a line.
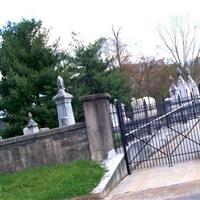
x=55, y=146
x=116, y=170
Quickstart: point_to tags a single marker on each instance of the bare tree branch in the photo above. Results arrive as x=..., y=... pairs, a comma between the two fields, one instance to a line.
x=168, y=47
x=181, y=41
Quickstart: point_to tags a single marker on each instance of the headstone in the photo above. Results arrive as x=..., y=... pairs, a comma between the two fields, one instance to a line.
x=125, y=118
x=63, y=103
x=192, y=85
x=26, y=131
x=113, y=115
x=182, y=86
x=32, y=125
x=138, y=107
x=173, y=90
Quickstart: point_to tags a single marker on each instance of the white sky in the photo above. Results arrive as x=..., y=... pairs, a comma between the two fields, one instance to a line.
x=94, y=18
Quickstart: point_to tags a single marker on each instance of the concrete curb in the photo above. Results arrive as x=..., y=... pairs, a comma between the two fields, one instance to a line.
x=171, y=192
x=89, y=197
x=116, y=171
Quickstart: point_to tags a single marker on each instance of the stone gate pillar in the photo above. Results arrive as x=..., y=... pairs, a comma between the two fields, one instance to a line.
x=96, y=111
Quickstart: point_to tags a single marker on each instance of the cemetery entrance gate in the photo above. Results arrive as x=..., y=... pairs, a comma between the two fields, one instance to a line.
x=152, y=134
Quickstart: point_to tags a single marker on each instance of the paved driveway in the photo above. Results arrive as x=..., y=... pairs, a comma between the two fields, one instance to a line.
x=188, y=197
x=180, y=182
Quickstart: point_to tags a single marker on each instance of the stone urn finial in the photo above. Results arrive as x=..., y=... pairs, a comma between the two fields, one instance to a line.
x=60, y=83
x=30, y=115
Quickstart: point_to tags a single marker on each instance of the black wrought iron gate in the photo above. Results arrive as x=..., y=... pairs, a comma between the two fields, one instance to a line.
x=157, y=134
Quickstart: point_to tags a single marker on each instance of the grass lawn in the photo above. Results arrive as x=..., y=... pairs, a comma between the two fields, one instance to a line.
x=52, y=182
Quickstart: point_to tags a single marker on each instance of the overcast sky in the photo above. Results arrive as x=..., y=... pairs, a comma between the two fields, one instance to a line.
x=94, y=18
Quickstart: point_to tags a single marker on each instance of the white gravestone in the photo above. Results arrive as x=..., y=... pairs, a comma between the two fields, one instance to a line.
x=113, y=115
x=173, y=90
x=32, y=126
x=173, y=101
x=183, y=87
x=192, y=85
x=138, y=107
x=63, y=102
x=125, y=118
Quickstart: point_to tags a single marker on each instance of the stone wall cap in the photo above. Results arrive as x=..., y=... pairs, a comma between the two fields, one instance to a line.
x=95, y=97
x=42, y=134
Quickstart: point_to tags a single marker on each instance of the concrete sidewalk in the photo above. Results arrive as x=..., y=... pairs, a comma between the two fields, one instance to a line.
x=160, y=183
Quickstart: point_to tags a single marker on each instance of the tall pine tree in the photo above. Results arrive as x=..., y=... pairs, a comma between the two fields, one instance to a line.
x=28, y=66
x=90, y=73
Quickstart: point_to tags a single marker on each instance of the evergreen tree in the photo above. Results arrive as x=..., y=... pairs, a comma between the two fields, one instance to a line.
x=28, y=68
x=90, y=73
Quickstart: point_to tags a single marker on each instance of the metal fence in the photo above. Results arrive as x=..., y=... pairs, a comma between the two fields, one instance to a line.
x=155, y=133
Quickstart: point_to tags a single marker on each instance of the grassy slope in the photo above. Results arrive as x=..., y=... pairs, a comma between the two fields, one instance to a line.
x=51, y=183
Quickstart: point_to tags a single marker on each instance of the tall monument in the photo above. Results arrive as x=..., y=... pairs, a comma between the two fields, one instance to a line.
x=182, y=86
x=63, y=102
x=192, y=85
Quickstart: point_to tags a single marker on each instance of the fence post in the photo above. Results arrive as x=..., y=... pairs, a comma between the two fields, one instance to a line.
x=123, y=132
x=193, y=104
x=183, y=119
x=146, y=116
x=165, y=110
x=96, y=111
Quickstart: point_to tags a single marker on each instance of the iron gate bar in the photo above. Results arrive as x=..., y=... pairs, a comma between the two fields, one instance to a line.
x=121, y=125
x=182, y=134
x=178, y=118
x=168, y=152
x=157, y=119
x=185, y=136
x=148, y=145
x=158, y=150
